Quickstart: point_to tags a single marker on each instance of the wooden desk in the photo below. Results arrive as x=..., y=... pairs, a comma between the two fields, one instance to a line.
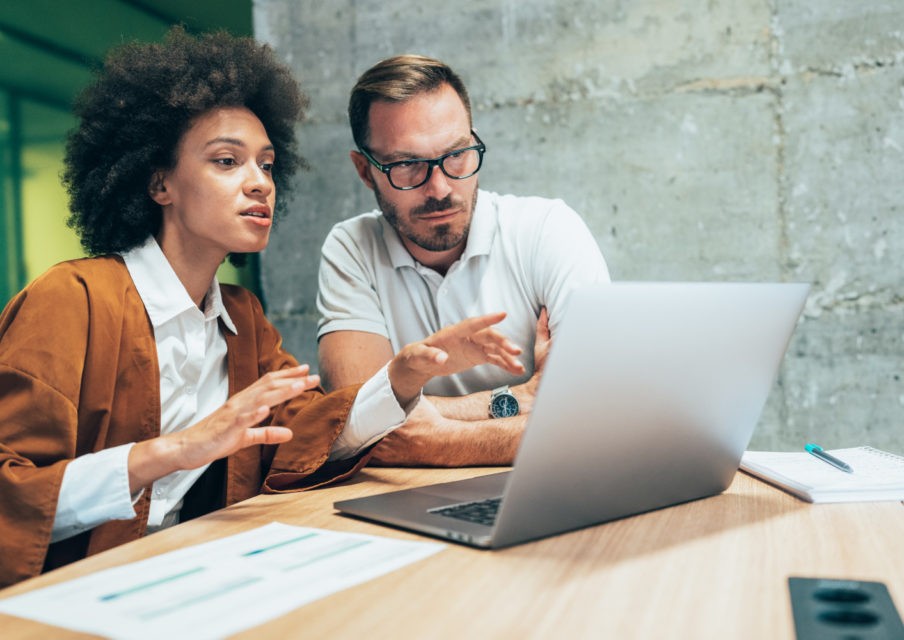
x=713, y=568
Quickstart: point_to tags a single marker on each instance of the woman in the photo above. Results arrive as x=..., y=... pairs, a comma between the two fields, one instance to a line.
x=135, y=391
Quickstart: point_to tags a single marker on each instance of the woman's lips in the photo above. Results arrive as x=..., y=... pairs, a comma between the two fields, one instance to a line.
x=259, y=215
x=257, y=212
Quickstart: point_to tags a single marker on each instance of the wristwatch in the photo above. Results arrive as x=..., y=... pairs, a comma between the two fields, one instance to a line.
x=502, y=403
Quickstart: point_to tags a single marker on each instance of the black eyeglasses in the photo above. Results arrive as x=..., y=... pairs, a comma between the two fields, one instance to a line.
x=411, y=174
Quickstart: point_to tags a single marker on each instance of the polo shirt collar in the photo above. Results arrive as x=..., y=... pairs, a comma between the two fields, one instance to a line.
x=480, y=236
x=163, y=294
x=398, y=254
x=483, y=227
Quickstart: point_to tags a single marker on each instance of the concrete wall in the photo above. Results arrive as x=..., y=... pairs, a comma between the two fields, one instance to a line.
x=726, y=139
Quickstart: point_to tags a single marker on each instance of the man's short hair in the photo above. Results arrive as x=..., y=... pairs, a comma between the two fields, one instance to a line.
x=398, y=79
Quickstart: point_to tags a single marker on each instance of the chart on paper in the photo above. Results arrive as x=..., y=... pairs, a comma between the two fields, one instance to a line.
x=220, y=587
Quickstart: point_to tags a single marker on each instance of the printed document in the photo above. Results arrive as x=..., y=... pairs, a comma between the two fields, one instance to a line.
x=217, y=588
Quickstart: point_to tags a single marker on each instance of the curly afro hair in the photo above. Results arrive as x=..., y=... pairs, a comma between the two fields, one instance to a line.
x=133, y=116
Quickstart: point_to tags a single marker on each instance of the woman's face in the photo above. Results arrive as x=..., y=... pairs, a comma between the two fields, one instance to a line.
x=219, y=197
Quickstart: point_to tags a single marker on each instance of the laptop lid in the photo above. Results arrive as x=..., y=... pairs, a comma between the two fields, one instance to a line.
x=649, y=397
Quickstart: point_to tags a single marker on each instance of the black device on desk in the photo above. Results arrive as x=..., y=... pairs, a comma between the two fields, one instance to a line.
x=843, y=610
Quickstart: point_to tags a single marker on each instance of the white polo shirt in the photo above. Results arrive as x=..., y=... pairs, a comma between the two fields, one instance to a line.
x=522, y=254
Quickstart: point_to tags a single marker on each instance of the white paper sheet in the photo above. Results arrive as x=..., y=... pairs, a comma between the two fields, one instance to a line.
x=217, y=588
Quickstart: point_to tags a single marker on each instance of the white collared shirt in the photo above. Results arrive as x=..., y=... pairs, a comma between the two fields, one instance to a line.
x=191, y=352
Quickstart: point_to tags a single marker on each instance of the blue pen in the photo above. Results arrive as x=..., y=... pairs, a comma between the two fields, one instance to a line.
x=820, y=453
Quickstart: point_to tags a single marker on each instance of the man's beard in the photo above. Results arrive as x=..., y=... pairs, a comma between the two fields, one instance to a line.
x=440, y=237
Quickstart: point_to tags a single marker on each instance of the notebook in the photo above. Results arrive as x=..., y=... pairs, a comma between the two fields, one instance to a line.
x=878, y=475
x=648, y=399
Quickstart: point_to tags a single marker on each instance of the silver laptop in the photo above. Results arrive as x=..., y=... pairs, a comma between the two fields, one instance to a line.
x=650, y=395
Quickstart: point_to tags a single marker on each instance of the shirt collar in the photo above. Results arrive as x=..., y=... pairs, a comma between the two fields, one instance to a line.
x=398, y=254
x=163, y=294
x=483, y=227
x=480, y=235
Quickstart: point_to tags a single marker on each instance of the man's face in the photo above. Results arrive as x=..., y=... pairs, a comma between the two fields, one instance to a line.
x=432, y=220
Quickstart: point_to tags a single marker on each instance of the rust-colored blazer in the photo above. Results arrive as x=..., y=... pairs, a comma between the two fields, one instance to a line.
x=79, y=373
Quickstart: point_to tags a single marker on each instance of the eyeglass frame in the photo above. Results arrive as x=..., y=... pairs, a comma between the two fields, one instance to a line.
x=480, y=147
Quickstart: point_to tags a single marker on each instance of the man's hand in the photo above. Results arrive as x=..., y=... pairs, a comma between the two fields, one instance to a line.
x=452, y=349
x=526, y=392
x=542, y=341
x=232, y=427
x=417, y=442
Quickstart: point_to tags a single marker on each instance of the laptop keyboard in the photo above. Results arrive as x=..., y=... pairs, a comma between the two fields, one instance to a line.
x=481, y=512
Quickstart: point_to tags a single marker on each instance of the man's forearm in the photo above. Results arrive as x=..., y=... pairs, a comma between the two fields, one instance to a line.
x=482, y=443
x=474, y=406
x=454, y=443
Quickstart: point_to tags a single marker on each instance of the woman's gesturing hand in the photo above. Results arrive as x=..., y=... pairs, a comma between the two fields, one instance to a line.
x=230, y=428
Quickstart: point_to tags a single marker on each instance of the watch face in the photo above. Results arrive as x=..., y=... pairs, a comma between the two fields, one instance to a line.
x=504, y=405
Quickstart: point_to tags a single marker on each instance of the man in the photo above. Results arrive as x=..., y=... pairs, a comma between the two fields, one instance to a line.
x=439, y=250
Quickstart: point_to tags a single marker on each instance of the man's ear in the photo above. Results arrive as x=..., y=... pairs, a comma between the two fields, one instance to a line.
x=362, y=166
x=157, y=189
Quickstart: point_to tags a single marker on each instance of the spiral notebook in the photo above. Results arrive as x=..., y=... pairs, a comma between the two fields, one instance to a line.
x=878, y=475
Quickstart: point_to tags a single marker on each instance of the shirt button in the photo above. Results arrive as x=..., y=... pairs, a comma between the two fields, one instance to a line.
x=190, y=390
